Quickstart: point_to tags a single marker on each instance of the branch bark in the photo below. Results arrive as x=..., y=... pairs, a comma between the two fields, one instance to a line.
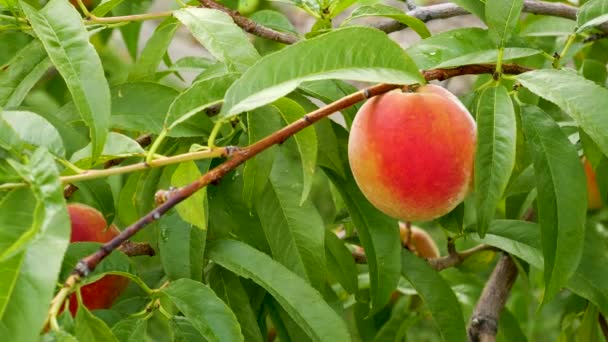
x=251, y=26
x=484, y=321
x=442, y=11
x=239, y=156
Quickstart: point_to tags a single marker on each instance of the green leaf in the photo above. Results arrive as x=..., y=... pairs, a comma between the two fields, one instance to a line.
x=34, y=130
x=98, y=194
x=395, y=328
x=519, y=238
x=131, y=329
x=488, y=56
x=445, y=46
x=152, y=54
x=340, y=262
x=261, y=122
x=33, y=282
x=216, y=31
x=561, y=199
x=174, y=236
x=105, y=7
x=587, y=282
x=329, y=155
x=369, y=56
x=582, y=99
x=90, y=328
x=380, y=10
x=303, y=303
x=476, y=7
x=59, y=26
x=115, y=262
x=502, y=17
x=547, y=26
x=274, y=20
x=116, y=146
x=437, y=295
x=209, y=315
x=200, y=95
x=592, y=13
x=495, y=155
x=379, y=236
x=229, y=288
x=509, y=327
x=523, y=239
x=141, y=106
x=131, y=32
x=19, y=75
x=295, y=232
x=306, y=141
x=193, y=209
x=329, y=91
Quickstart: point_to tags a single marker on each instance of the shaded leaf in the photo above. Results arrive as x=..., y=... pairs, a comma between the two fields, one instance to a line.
x=303, y=303
x=561, y=201
x=340, y=262
x=152, y=54
x=209, y=315
x=90, y=328
x=437, y=295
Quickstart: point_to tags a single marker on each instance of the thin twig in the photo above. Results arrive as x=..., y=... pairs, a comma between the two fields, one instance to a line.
x=143, y=141
x=94, y=173
x=238, y=157
x=251, y=26
x=441, y=263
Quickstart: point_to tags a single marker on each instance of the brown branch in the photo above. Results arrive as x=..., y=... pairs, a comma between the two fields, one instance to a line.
x=239, y=156
x=251, y=26
x=441, y=263
x=484, y=321
x=456, y=258
x=442, y=11
x=132, y=249
x=143, y=141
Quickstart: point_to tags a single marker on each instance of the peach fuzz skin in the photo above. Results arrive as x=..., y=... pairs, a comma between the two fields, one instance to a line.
x=412, y=153
x=89, y=225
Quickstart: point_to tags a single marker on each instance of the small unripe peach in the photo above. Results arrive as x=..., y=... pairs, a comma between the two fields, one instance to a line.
x=88, y=224
x=412, y=153
x=594, y=199
x=418, y=241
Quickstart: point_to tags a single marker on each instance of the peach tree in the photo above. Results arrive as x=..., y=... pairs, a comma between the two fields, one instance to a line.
x=227, y=172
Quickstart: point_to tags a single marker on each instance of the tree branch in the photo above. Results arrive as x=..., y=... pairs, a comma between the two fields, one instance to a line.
x=132, y=249
x=251, y=26
x=239, y=156
x=484, y=321
x=442, y=11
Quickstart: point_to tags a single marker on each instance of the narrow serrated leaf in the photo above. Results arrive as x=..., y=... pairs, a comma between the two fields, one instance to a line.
x=209, y=315
x=369, y=56
x=561, y=201
x=381, y=10
x=502, y=17
x=303, y=303
x=582, y=99
x=60, y=28
x=495, y=155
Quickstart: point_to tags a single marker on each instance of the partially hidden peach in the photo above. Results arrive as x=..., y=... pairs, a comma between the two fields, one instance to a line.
x=88, y=224
x=418, y=241
x=594, y=199
x=412, y=153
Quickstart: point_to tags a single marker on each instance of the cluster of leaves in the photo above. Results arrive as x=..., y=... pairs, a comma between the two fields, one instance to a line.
x=257, y=253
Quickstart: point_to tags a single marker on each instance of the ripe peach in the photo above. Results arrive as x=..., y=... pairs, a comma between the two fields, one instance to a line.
x=594, y=199
x=412, y=153
x=418, y=241
x=89, y=225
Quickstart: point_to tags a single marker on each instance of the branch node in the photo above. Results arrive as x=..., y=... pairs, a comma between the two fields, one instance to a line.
x=307, y=119
x=82, y=269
